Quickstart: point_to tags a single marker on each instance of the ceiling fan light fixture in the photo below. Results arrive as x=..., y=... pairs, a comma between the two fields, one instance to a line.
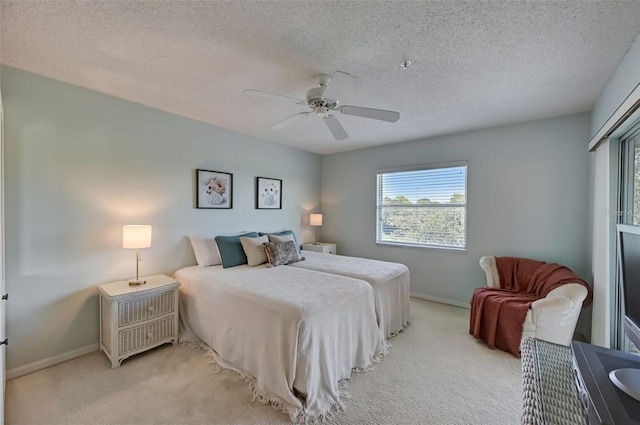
x=321, y=111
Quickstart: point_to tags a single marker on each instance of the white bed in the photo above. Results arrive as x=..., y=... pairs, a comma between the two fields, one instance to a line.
x=390, y=282
x=292, y=330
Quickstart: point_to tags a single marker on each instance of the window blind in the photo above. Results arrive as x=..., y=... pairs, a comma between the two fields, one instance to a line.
x=423, y=206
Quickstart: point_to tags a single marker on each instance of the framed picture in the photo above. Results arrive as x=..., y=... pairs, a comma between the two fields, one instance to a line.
x=214, y=189
x=268, y=193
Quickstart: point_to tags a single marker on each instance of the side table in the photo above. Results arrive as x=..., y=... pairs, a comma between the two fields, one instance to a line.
x=327, y=248
x=134, y=319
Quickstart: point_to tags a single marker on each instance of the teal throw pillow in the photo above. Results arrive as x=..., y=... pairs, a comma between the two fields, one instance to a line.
x=230, y=247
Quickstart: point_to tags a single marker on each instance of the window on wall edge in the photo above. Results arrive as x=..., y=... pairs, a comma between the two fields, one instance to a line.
x=423, y=206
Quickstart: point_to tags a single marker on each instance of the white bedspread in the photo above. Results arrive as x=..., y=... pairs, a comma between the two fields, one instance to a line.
x=285, y=327
x=390, y=282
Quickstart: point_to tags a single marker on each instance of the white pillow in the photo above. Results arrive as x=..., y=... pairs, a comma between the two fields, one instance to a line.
x=254, y=250
x=281, y=238
x=206, y=251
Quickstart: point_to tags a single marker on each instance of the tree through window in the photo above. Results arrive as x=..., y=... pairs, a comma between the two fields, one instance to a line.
x=423, y=206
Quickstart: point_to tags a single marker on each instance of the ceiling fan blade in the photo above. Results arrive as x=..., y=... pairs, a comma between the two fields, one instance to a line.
x=267, y=95
x=335, y=127
x=376, y=114
x=339, y=83
x=288, y=121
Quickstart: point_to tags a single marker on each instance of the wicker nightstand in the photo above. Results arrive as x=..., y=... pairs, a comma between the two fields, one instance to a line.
x=134, y=319
x=327, y=248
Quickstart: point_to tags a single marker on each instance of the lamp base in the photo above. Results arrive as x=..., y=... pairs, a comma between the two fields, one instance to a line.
x=137, y=282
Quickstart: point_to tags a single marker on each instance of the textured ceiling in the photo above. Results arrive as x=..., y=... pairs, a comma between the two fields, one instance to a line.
x=475, y=64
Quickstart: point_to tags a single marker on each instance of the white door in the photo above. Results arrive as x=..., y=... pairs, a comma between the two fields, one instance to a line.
x=3, y=302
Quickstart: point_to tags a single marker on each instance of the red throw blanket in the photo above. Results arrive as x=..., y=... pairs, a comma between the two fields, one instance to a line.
x=497, y=314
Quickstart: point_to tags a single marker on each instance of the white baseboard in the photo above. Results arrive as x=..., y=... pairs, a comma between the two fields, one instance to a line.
x=51, y=361
x=440, y=300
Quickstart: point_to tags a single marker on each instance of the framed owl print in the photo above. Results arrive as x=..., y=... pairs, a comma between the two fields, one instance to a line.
x=268, y=193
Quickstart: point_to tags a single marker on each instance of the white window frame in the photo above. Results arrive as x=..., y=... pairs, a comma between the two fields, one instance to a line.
x=379, y=206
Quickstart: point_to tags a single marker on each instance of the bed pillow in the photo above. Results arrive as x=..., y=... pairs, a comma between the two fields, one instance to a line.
x=205, y=250
x=254, y=250
x=282, y=233
x=231, y=252
x=281, y=238
x=280, y=253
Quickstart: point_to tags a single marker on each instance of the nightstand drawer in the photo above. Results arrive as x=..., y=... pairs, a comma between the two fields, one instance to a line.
x=133, y=339
x=140, y=309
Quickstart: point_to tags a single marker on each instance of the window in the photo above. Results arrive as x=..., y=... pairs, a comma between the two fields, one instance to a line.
x=630, y=181
x=629, y=213
x=423, y=206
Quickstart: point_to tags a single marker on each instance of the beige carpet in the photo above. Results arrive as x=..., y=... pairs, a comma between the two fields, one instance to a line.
x=435, y=374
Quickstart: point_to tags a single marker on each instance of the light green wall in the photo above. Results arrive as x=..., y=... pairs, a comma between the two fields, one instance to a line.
x=527, y=197
x=80, y=164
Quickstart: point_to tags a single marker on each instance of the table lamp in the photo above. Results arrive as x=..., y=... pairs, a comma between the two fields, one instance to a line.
x=136, y=236
x=315, y=220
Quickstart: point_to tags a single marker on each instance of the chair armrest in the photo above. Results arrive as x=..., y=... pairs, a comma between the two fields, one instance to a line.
x=554, y=317
x=552, y=305
x=488, y=264
x=573, y=291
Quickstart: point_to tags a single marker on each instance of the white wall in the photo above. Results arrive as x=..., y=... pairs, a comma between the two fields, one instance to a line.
x=527, y=197
x=80, y=164
x=602, y=244
x=3, y=348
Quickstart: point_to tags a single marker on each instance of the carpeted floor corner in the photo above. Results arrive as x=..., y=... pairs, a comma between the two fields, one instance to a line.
x=436, y=373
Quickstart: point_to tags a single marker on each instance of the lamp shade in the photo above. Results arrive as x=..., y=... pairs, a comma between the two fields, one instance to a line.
x=136, y=236
x=315, y=219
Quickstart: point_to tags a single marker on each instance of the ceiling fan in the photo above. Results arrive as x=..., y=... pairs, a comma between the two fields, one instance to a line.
x=324, y=100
